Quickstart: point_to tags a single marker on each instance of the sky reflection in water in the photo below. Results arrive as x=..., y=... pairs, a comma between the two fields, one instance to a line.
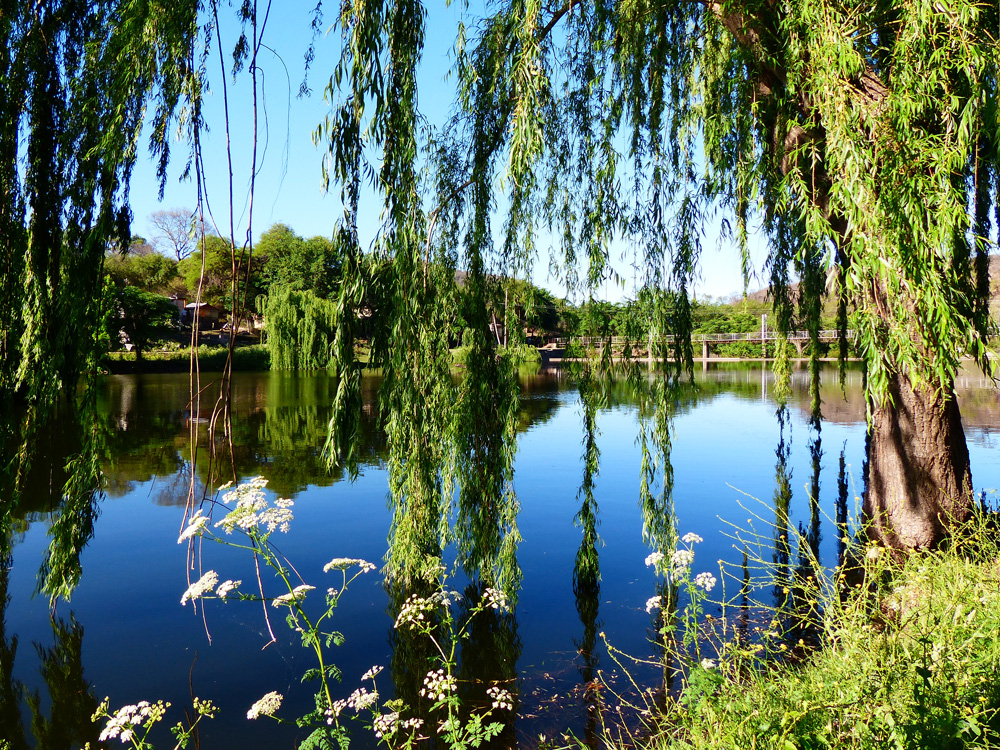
x=126, y=629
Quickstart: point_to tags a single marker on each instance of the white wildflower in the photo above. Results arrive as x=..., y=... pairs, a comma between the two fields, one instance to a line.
x=202, y=586
x=276, y=518
x=705, y=581
x=385, y=724
x=496, y=599
x=266, y=706
x=502, y=699
x=691, y=538
x=680, y=562
x=653, y=602
x=122, y=724
x=708, y=663
x=196, y=526
x=361, y=699
x=250, y=501
x=343, y=563
x=334, y=710
x=414, y=611
x=653, y=558
x=438, y=685
x=296, y=594
x=370, y=674
x=226, y=587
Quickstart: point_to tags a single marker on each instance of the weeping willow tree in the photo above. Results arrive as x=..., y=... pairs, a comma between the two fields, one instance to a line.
x=76, y=79
x=300, y=330
x=860, y=138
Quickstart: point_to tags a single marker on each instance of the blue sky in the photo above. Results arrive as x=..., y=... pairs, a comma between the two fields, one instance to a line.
x=289, y=179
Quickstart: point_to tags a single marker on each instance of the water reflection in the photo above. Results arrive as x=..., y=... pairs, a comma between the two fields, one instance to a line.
x=841, y=506
x=782, y=503
x=62, y=721
x=587, y=568
x=683, y=457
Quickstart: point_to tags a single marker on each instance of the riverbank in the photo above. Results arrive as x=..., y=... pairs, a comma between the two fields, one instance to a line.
x=248, y=358
x=907, y=659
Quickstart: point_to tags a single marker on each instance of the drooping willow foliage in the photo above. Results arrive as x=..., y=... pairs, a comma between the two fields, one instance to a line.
x=862, y=140
x=301, y=328
x=75, y=81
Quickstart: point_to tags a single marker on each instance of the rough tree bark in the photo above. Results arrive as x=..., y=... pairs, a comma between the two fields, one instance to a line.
x=919, y=478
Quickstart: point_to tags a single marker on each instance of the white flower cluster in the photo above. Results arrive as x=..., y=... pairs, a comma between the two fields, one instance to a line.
x=680, y=562
x=296, y=594
x=202, y=586
x=266, y=706
x=122, y=724
x=705, y=581
x=370, y=674
x=343, y=563
x=385, y=724
x=496, y=599
x=361, y=699
x=196, y=526
x=415, y=608
x=226, y=587
x=653, y=559
x=334, y=711
x=691, y=538
x=388, y=724
x=501, y=698
x=653, y=602
x=708, y=663
x=252, y=511
x=437, y=685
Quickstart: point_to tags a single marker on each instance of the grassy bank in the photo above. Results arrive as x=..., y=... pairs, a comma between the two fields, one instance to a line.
x=907, y=659
x=253, y=358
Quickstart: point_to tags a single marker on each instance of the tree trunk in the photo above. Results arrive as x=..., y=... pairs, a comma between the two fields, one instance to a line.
x=919, y=480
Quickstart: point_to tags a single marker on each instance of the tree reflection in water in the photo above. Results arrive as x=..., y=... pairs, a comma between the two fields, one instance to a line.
x=587, y=570
x=71, y=699
x=279, y=424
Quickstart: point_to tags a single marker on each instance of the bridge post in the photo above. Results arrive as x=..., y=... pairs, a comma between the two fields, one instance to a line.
x=763, y=335
x=704, y=349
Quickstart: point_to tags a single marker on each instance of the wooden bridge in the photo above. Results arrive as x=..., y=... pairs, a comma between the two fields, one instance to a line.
x=798, y=339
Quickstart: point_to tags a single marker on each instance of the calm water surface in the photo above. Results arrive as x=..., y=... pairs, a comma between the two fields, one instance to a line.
x=124, y=634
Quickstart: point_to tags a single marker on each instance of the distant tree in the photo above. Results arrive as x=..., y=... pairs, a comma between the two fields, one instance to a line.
x=290, y=262
x=217, y=288
x=174, y=231
x=301, y=328
x=149, y=271
x=143, y=317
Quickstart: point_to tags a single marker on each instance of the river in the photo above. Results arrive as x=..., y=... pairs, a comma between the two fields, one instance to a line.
x=124, y=633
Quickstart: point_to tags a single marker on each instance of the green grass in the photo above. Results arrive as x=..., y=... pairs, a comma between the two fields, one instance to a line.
x=908, y=659
x=520, y=355
x=252, y=358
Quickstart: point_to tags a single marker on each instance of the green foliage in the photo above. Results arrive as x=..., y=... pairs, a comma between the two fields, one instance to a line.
x=254, y=358
x=217, y=285
x=521, y=354
x=301, y=330
x=906, y=657
x=76, y=80
x=149, y=271
x=290, y=262
x=143, y=317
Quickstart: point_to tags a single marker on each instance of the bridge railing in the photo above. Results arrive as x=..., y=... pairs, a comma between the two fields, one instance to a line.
x=700, y=338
